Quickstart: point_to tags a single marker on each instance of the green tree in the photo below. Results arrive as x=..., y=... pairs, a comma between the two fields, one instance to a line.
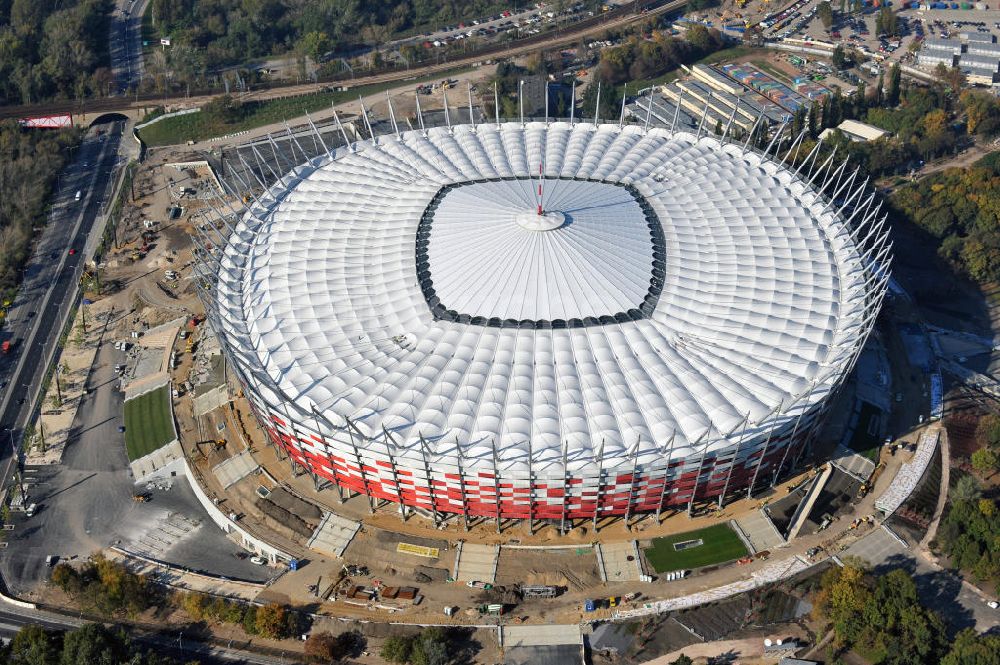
x=970, y=648
x=314, y=44
x=825, y=12
x=892, y=93
x=966, y=489
x=682, y=659
x=93, y=643
x=397, y=649
x=839, y=58
x=886, y=22
x=985, y=460
x=34, y=645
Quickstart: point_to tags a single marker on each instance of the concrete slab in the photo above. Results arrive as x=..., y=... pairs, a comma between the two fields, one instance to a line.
x=211, y=400
x=163, y=462
x=852, y=463
x=235, y=469
x=477, y=562
x=617, y=567
x=333, y=535
x=541, y=635
x=760, y=531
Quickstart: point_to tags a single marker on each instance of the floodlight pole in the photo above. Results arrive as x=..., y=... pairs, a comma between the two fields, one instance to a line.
x=572, y=102
x=461, y=484
x=357, y=459
x=389, y=443
x=392, y=114
x=729, y=123
x=631, y=485
x=666, y=476
x=621, y=116
x=597, y=104
x=704, y=115
x=430, y=479
x=368, y=124
x=791, y=439
x=472, y=115
x=697, y=479
x=732, y=463
x=649, y=112
x=767, y=444
x=496, y=483
x=753, y=130
x=343, y=132
x=496, y=104
x=677, y=110
x=531, y=492
x=520, y=100
x=420, y=115
x=546, y=102
x=565, y=456
x=447, y=113
x=600, y=483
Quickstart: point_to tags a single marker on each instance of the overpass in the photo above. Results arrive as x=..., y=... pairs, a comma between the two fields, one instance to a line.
x=136, y=107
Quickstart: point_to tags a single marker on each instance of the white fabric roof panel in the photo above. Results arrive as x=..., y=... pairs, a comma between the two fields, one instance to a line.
x=760, y=298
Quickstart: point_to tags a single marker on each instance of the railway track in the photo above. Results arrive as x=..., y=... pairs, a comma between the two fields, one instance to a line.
x=587, y=28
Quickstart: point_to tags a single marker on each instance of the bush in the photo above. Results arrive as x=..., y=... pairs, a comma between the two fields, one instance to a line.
x=106, y=586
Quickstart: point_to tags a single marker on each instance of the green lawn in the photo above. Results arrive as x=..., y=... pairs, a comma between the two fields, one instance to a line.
x=865, y=440
x=721, y=544
x=200, y=126
x=148, y=423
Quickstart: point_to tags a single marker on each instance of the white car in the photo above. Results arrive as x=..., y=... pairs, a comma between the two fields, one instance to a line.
x=992, y=604
x=258, y=560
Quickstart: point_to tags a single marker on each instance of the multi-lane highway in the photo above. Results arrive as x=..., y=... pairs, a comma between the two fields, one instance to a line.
x=48, y=290
x=125, y=43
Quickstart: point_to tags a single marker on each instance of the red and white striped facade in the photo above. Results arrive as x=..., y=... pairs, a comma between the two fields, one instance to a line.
x=706, y=390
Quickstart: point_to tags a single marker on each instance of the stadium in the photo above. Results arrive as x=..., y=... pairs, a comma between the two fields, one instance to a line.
x=547, y=320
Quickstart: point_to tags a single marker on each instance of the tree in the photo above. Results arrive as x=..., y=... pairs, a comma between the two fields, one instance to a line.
x=950, y=76
x=969, y=648
x=93, y=643
x=270, y=621
x=966, y=489
x=985, y=460
x=397, y=649
x=314, y=44
x=682, y=659
x=885, y=22
x=34, y=645
x=892, y=94
x=988, y=431
x=825, y=12
x=838, y=58
x=322, y=648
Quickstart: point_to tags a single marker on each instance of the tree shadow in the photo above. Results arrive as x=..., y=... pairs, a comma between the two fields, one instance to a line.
x=937, y=589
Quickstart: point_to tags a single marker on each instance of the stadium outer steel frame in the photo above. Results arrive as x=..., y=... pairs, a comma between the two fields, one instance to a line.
x=441, y=484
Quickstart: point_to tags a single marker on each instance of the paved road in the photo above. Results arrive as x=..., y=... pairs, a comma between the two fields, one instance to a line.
x=181, y=647
x=50, y=279
x=958, y=604
x=125, y=43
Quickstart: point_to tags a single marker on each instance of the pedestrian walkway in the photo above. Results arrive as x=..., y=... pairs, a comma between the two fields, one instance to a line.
x=333, y=535
x=760, y=531
x=910, y=473
x=475, y=562
x=619, y=561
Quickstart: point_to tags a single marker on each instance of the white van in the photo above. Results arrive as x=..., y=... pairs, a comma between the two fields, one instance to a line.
x=78, y=194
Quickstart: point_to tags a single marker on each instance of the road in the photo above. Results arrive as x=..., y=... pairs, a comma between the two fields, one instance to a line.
x=179, y=646
x=125, y=43
x=50, y=278
x=957, y=603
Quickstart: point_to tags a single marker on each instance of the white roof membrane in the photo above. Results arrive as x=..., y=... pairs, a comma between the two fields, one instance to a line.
x=760, y=299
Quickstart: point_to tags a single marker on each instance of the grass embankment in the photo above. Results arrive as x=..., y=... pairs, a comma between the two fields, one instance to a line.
x=254, y=114
x=148, y=423
x=719, y=544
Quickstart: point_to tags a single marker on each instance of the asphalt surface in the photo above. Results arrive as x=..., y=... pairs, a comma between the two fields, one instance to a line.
x=85, y=503
x=50, y=279
x=125, y=43
x=957, y=603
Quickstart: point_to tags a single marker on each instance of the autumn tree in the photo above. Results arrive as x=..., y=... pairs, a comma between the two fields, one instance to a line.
x=985, y=461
